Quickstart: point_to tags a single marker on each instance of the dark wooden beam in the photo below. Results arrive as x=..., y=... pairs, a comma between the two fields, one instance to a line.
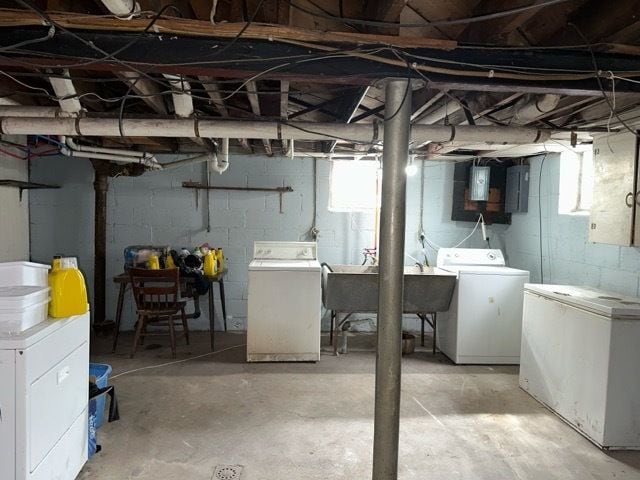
x=175, y=54
x=597, y=20
x=385, y=11
x=368, y=113
x=498, y=30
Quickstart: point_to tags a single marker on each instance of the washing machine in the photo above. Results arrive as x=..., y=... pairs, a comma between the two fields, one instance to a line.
x=285, y=299
x=484, y=322
x=580, y=358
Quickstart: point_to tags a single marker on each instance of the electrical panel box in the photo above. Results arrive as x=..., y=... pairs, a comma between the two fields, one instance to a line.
x=479, y=184
x=517, y=191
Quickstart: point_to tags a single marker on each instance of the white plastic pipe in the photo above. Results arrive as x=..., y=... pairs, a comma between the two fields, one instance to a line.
x=110, y=151
x=63, y=87
x=220, y=164
x=182, y=101
x=122, y=7
x=33, y=111
x=66, y=151
x=207, y=157
x=526, y=110
x=71, y=149
x=188, y=127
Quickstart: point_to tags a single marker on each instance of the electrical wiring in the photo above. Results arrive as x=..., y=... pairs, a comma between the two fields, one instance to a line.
x=50, y=33
x=439, y=23
x=189, y=92
x=502, y=68
x=87, y=43
x=475, y=229
x=13, y=155
x=149, y=367
x=14, y=145
x=24, y=84
x=540, y=217
x=599, y=81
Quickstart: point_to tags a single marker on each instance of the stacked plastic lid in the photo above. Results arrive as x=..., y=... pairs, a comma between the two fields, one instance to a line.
x=24, y=296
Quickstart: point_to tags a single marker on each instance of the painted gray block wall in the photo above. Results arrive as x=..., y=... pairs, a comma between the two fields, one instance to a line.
x=154, y=208
x=568, y=256
x=14, y=212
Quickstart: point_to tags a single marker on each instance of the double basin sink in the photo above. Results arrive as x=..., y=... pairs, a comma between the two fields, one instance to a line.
x=354, y=288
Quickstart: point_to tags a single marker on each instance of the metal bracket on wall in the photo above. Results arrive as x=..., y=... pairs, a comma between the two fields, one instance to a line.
x=279, y=190
x=25, y=185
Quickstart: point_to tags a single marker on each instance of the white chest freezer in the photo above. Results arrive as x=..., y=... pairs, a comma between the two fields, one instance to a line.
x=44, y=375
x=580, y=358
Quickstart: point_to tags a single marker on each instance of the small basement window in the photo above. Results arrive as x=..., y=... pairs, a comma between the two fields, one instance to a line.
x=576, y=183
x=353, y=185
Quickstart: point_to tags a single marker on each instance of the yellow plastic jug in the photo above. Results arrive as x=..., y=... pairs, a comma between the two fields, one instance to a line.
x=220, y=258
x=68, y=290
x=210, y=264
x=153, y=263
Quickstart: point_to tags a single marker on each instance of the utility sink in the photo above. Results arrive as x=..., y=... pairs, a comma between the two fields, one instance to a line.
x=354, y=288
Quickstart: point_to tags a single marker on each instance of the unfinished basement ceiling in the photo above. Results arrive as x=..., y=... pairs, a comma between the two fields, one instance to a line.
x=485, y=62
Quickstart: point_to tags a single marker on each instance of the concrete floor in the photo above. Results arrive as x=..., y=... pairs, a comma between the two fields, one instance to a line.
x=315, y=421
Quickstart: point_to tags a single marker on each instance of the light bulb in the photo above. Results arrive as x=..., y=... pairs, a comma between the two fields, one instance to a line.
x=411, y=169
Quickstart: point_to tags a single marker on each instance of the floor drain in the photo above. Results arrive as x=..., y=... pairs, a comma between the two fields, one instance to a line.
x=227, y=472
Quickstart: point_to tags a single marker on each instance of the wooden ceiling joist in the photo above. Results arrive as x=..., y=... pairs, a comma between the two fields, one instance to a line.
x=199, y=28
x=149, y=91
x=254, y=101
x=210, y=84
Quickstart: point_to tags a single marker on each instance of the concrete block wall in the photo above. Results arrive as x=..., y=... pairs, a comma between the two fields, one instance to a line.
x=154, y=208
x=568, y=256
x=14, y=212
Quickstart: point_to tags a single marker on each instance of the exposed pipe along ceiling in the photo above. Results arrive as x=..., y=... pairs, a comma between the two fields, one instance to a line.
x=406, y=84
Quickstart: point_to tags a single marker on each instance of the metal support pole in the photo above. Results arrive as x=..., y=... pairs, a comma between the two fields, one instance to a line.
x=391, y=277
x=101, y=186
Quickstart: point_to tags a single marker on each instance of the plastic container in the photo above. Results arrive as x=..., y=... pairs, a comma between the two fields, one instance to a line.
x=22, y=307
x=154, y=262
x=68, y=290
x=220, y=258
x=16, y=320
x=101, y=372
x=23, y=273
x=210, y=264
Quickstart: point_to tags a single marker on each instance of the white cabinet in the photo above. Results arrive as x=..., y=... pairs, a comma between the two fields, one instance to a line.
x=44, y=375
x=615, y=213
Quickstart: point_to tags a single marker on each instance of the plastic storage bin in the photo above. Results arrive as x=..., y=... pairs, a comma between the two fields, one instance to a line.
x=101, y=372
x=23, y=273
x=22, y=307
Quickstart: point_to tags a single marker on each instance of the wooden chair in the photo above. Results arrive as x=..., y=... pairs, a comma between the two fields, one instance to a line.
x=156, y=294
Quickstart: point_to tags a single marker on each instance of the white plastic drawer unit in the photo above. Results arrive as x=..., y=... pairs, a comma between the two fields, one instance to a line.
x=44, y=374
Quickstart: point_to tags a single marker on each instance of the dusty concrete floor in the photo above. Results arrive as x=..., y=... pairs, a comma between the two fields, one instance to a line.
x=315, y=421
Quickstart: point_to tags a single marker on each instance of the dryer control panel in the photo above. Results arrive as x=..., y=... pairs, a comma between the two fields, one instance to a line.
x=470, y=256
x=285, y=251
